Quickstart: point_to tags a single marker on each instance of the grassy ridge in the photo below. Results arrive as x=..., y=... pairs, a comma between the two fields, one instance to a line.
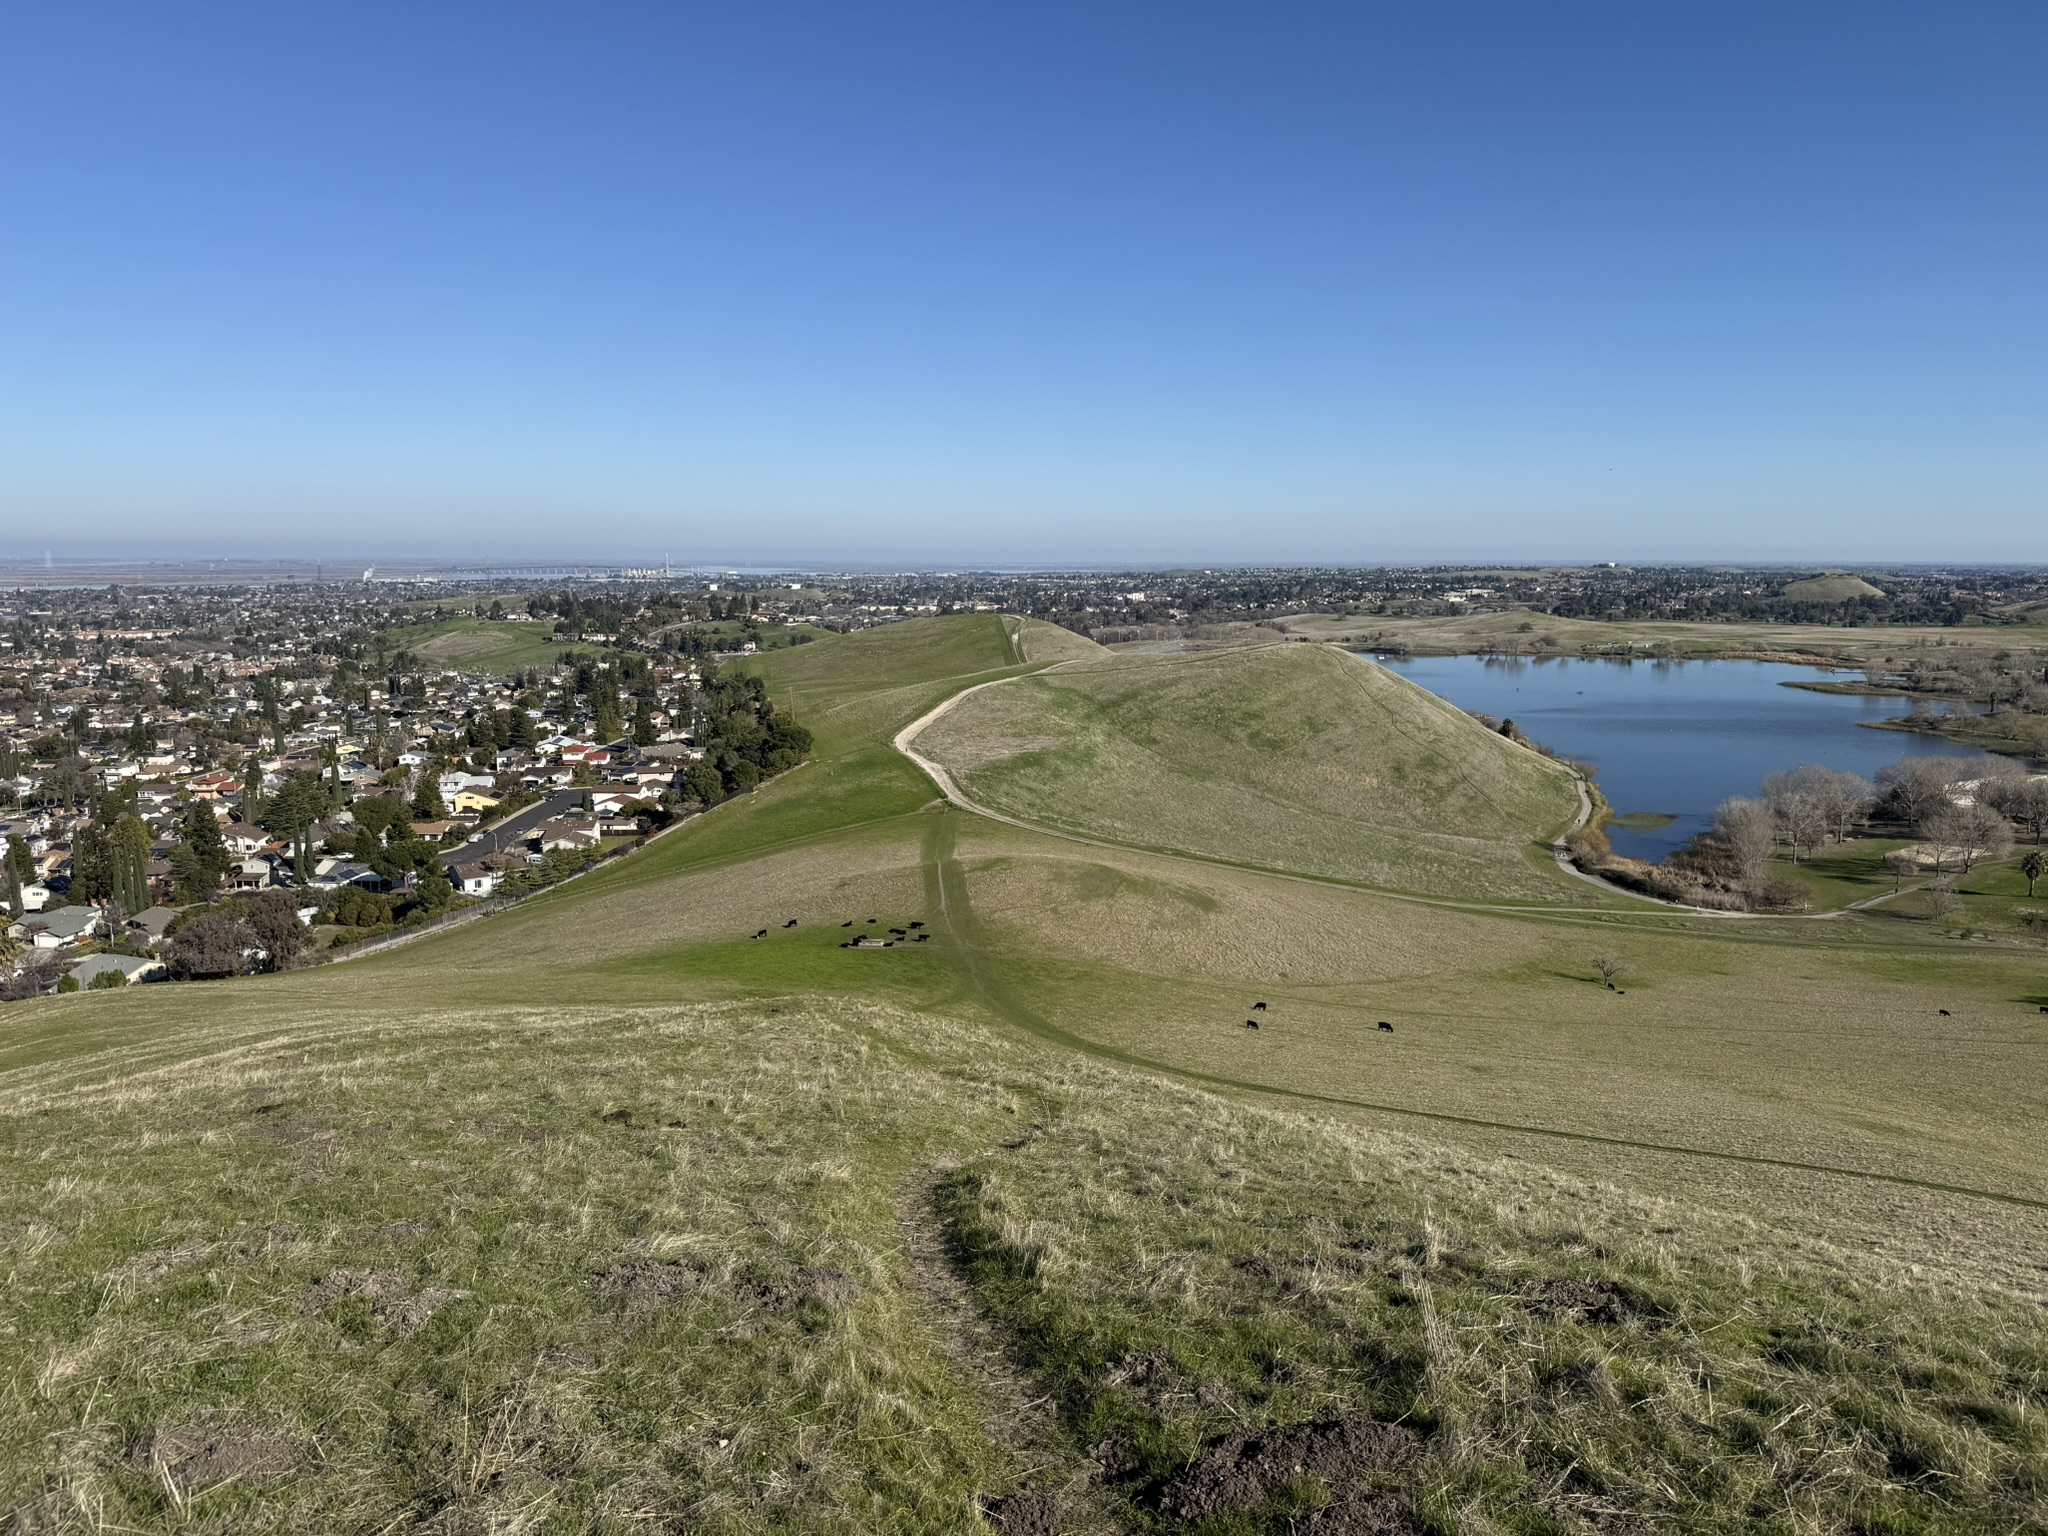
x=1282, y=757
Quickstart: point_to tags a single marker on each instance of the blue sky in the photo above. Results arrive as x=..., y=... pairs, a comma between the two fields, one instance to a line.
x=1040, y=283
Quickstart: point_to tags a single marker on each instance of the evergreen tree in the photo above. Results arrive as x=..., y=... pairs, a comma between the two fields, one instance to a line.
x=128, y=847
x=427, y=804
x=91, y=865
x=201, y=857
x=252, y=790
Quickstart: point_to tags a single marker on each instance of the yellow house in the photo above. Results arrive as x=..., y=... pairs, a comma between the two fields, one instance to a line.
x=471, y=799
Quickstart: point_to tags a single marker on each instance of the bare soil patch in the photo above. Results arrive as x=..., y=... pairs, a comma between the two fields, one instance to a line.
x=1360, y=1462
x=201, y=1455
x=1598, y=1302
x=393, y=1301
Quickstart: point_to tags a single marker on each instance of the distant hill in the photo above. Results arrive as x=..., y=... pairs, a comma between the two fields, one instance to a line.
x=1836, y=587
x=1288, y=757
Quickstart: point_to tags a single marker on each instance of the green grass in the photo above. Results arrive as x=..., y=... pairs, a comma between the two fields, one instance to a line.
x=480, y=645
x=1842, y=874
x=1283, y=757
x=768, y=1235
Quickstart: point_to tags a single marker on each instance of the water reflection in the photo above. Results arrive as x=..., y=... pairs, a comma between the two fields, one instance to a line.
x=1674, y=737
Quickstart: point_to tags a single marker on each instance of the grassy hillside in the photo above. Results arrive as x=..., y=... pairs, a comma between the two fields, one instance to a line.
x=602, y=1215
x=1836, y=587
x=1284, y=757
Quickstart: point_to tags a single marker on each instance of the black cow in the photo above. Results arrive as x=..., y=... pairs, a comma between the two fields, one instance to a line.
x=1251, y=1023
x=790, y=924
x=1258, y=1007
x=1945, y=1013
x=1386, y=1026
x=847, y=924
x=762, y=934
x=917, y=925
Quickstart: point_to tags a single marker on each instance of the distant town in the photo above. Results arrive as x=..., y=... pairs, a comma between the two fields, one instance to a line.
x=201, y=777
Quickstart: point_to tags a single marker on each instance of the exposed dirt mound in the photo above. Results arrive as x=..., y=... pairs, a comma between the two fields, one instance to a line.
x=819, y=1286
x=1601, y=1302
x=199, y=1456
x=1025, y=1514
x=1354, y=1459
x=157, y=1264
x=642, y=1284
x=393, y=1301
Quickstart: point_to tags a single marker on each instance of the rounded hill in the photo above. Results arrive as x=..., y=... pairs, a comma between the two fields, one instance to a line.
x=1291, y=757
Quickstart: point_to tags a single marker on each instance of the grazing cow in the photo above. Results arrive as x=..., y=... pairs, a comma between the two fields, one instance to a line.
x=925, y=938
x=790, y=924
x=1251, y=1023
x=762, y=934
x=1946, y=1014
x=1258, y=1007
x=871, y=921
x=917, y=925
x=1386, y=1026
x=847, y=924
x=2044, y=1008
x=899, y=932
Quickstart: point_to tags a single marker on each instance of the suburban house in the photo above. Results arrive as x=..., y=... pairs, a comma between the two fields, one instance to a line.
x=59, y=929
x=477, y=878
x=620, y=797
x=134, y=967
x=150, y=925
x=472, y=798
x=573, y=832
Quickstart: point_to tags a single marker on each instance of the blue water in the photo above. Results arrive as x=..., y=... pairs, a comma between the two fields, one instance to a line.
x=1674, y=737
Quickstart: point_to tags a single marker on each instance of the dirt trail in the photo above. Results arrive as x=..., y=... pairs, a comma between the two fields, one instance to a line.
x=1018, y=1417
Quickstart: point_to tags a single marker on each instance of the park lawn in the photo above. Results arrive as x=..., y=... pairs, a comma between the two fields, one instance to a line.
x=1841, y=874
x=480, y=645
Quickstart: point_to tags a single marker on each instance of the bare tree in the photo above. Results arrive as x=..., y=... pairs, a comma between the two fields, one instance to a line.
x=1611, y=968
x=1989, y=835
x=1944, y=829
x=1913, y=786
x=1748, y=832
x=2022, y=801
x=1901, y=862
x=1813, y=802
x=1942, y=901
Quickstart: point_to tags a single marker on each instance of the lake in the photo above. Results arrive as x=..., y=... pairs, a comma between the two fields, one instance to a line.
x=1674, y=737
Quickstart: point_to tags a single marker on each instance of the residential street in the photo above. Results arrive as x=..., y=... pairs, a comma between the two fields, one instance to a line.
x=516, y=829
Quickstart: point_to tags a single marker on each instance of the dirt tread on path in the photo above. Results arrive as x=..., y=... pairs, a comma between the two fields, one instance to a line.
x=1059, y=1499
